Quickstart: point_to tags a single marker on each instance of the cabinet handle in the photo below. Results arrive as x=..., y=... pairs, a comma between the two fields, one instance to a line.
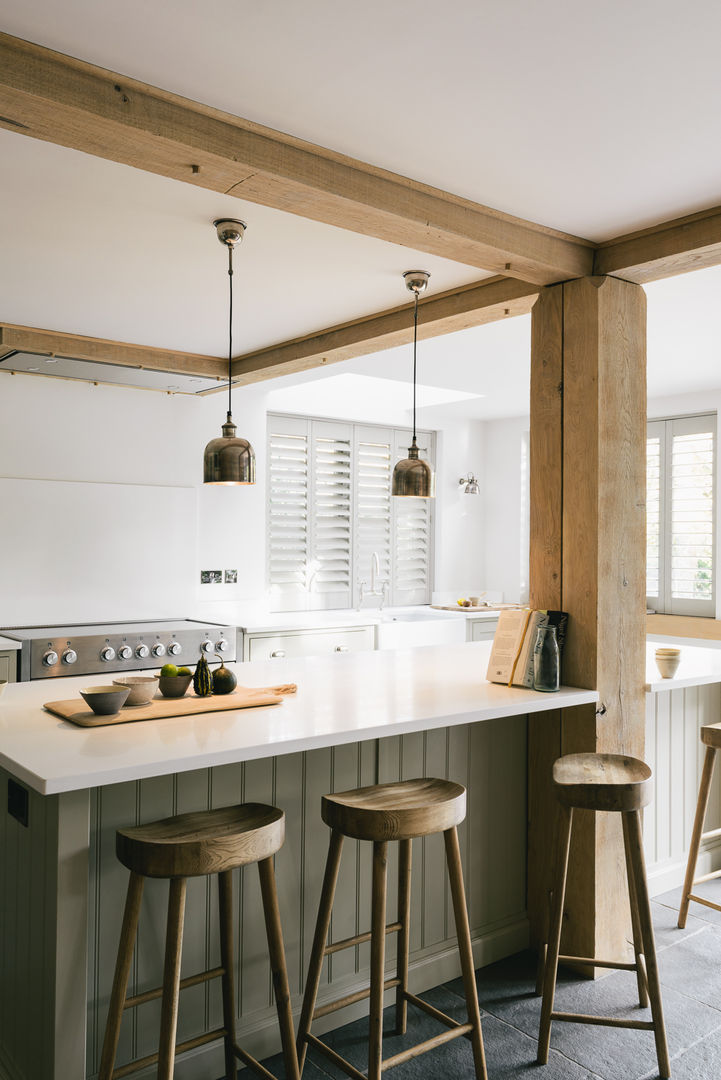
x=341, y=648
x=277, y=653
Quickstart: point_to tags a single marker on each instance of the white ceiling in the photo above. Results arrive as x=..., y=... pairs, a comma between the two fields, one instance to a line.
x=593, y=119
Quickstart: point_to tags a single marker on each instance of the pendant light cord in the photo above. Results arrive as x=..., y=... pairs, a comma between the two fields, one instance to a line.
x=230, y=327
x=415, y=340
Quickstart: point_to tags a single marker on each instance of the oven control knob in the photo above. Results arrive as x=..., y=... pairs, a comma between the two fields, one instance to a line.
x=69, y=656
x=142, y=651
x=221, y=646
x=207, y=646
x=50, y=658
x=107, y=653
x=124, y=652
x=174, y=648
x=158, y=649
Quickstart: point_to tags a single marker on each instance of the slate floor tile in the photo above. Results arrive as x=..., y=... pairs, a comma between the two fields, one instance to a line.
x=665, y=925
x=711, y=890
x=693, y=967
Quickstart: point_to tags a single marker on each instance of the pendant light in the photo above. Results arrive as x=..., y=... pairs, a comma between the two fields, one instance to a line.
x=229, y=460
x=412, y=476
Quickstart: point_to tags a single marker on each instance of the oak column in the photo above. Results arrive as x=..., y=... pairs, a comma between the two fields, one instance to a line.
x=588, y=541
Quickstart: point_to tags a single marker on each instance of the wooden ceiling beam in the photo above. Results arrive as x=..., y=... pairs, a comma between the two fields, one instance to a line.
x=49, y=96
x=674, y=247
x=457, y=309
x=54, y=343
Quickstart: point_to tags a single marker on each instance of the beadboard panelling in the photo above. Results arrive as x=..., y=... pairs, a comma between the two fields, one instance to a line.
x=675, y=753
x=489, y=758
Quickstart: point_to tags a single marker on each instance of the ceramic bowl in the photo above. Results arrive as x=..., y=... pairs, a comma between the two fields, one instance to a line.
x=105, y=700
x=142, y=688
x=174, y=685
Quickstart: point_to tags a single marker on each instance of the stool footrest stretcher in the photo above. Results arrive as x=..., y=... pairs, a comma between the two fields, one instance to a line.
x=192, y=980
x=602, y=1021
x=589, y=961
x=351, y=999
x=151, y=1059
x=358, y=939
x=704, y=901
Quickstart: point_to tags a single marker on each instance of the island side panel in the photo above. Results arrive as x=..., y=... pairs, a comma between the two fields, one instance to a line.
x=490, y=758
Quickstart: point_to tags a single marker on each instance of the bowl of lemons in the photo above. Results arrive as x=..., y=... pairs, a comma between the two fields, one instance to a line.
x=174, y=681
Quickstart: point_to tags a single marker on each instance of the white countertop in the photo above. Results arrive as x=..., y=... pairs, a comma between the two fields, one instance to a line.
x=257, y=620
x=699, y=666
x=341, y=699
x=8, y=644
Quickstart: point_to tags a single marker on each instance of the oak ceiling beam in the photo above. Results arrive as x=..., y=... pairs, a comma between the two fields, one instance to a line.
x=76, y=347
x=457, y=309
x=61, y=100
x=675, y=247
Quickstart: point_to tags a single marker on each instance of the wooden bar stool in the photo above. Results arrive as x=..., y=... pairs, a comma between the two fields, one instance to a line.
x=619, y=784
x=711, y=737
x=383, y=813
x=191, y=845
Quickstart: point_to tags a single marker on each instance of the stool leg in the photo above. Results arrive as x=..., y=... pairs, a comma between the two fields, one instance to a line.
x=641, y=977
x=404, y=918
x=703, y=795
x=227, y=959
x=171, y=978
x=632, y=835
x=120, y=979
x=378, y=952
x=276, y=952
x=565, y=821
x=320, y=938
x=463, y=936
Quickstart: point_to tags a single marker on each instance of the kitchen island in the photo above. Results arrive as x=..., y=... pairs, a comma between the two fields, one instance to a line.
x=357, y=718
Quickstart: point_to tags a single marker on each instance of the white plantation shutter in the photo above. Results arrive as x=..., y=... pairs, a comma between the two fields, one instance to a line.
x=373, y=470
x=412, y=533
x=330, y=509
x=685, y=507
x=288, y=540
x=330, y=580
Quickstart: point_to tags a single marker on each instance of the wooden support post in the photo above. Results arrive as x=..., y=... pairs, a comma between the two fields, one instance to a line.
x=588, y=537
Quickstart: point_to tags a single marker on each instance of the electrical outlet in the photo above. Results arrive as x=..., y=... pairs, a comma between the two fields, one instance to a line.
x=231, y=577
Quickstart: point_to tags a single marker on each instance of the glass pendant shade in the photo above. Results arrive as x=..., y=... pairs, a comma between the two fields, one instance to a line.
x=413, y=477
x=229, y=460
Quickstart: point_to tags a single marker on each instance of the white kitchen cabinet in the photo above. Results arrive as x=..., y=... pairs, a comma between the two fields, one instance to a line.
x=294, y=643
x=8, y=666
x=481, y=629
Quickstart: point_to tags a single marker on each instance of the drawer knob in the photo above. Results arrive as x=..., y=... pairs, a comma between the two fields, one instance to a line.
x=277, y=654
x=341, y=648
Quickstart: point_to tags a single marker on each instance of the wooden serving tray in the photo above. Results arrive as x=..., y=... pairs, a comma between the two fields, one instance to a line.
x=244, y=697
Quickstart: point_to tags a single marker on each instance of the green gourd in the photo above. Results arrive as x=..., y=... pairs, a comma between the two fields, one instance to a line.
x=202, y=680
x=224, y=681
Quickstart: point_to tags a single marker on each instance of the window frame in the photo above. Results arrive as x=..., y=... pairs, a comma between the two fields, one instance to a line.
x=667, y=428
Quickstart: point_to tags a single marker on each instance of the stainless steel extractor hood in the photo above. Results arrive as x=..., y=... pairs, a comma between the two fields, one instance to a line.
x=68, y=367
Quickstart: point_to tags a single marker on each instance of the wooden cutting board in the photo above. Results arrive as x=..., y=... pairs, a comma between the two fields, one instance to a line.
x=244, y=697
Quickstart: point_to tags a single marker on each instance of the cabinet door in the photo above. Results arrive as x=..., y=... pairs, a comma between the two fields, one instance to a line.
x=8, y=662
x=309, y=643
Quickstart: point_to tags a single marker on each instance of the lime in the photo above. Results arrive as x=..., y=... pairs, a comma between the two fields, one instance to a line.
x=184, y=671
x=168, y=669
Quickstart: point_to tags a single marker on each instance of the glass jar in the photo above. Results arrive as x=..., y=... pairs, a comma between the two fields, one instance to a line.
x=546, y=667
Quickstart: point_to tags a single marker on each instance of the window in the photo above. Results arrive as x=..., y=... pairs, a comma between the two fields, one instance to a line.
x=680, y=477
x=330, y=509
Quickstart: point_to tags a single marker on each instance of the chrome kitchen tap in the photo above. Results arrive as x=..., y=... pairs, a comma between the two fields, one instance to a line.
x=375, y=582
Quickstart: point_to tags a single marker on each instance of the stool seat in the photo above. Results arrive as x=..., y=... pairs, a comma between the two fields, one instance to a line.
x=398, y=811
x=711, y=735
x=611, y=782
x=204, y=842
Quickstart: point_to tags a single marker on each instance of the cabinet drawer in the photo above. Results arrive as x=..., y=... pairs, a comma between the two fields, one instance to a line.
x=308, y=643
x=482, y=629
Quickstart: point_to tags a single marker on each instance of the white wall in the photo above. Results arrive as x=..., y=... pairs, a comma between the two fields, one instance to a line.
x=503, y=498
x=117, y=446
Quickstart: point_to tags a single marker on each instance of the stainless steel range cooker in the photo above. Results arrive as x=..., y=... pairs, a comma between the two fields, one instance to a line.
x=52, y=651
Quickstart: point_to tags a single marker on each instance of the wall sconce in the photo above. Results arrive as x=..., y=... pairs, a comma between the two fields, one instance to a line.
x=469, y=484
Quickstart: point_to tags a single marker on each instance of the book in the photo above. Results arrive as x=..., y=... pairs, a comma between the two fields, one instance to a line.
x=511, y=660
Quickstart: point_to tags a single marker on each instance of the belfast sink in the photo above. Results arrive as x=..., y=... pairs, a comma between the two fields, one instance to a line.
x=402, y=629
